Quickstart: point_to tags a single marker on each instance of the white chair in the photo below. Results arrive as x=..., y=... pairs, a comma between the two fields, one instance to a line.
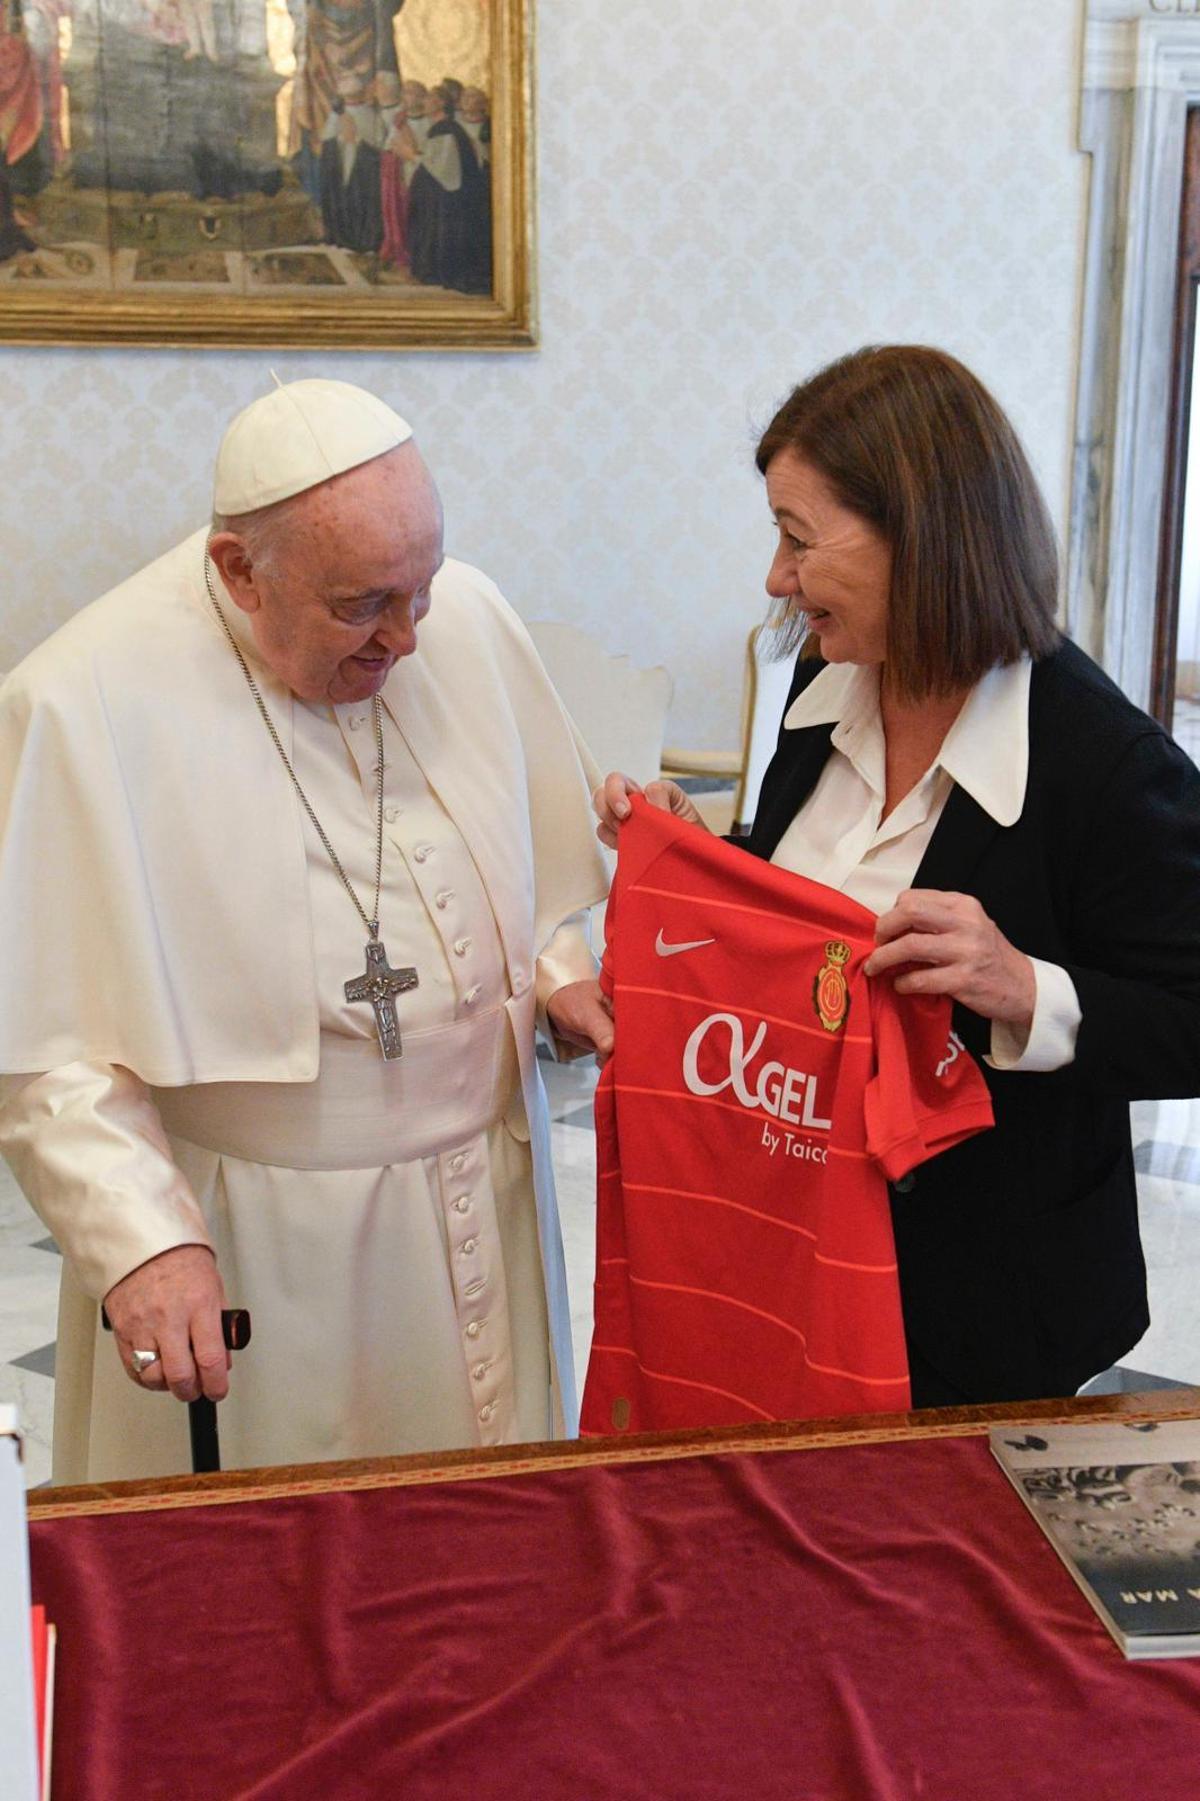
x=765, y=684
x=716, y=806
x=621, y=711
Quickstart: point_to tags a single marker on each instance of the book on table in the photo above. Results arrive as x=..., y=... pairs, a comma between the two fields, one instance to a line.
x=1120, y=1503
x=44, y=1639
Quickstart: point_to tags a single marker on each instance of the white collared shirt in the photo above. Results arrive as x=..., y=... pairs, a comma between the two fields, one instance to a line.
x=840, y=838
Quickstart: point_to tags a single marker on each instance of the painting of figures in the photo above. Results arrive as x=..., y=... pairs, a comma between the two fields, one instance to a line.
x=265, y=171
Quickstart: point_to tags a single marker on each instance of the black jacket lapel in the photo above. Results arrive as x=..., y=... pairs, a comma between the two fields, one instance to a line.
x=959, y=840
x=791, y=777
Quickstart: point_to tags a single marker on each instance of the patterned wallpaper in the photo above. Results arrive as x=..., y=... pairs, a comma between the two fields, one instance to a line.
x=730, y=194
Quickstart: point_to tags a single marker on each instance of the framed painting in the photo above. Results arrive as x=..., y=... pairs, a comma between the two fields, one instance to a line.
x=354, y=173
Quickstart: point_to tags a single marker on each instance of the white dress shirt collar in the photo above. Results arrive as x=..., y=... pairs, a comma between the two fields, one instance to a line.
x=986, y=750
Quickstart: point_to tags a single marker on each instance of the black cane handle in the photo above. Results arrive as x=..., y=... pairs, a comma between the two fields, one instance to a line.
x=235, y=1328
x=202, y=1413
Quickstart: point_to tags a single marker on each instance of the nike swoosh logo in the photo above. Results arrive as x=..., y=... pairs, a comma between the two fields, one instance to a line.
x=672, y=950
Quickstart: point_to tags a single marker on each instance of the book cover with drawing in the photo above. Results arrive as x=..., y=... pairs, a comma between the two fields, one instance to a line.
x=1120, y=1503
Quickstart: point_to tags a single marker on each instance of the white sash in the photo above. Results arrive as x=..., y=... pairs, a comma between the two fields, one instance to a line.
x=451, y=1083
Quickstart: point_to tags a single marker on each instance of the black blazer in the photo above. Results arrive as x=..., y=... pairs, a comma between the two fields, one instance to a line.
x=1021, y=1268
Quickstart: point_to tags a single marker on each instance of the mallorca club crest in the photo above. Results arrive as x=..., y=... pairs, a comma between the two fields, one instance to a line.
x=831, y=997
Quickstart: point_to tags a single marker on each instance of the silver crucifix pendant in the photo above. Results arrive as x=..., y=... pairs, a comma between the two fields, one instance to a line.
x=380, y=986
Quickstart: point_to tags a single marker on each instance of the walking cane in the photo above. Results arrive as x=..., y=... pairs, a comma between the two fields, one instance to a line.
x=202, y=1413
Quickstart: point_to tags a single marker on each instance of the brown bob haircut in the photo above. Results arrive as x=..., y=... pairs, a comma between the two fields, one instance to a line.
x=910, y=440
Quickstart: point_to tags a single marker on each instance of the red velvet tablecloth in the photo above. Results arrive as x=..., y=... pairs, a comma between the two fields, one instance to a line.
x=867, y=1623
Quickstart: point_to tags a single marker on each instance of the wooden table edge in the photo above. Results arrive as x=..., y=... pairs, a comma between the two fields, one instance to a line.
x=162, y=1493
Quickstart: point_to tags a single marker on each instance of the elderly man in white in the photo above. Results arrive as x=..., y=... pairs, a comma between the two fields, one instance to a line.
x=295, y=840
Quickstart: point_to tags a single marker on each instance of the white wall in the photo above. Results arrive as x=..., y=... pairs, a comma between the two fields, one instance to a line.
x=731, y=192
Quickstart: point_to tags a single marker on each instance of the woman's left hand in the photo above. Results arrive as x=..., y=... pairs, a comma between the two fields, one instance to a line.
x=958, y=951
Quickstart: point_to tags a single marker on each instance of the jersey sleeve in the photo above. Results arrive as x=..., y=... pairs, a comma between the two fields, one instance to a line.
x=927, y=1092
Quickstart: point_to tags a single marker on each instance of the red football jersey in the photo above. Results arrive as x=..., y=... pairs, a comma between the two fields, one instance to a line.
x=761, y=1095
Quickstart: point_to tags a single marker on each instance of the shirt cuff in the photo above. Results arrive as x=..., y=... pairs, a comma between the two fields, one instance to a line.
x=567, y=958
x=1050, y=1041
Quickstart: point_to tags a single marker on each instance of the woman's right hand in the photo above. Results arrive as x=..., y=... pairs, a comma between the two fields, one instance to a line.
x=611, y=804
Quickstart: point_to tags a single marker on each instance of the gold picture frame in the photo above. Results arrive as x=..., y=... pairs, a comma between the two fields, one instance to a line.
x=224, y=272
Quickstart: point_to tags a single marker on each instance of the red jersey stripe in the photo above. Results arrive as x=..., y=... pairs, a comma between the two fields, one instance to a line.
x=730, y=906
x=671, y=1094
x=774, y=1019
x=681, y=1381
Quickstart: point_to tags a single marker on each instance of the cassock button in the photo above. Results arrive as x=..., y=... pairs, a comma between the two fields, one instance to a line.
x=468, y=1245
x=354, y=721
x=391, y=814
x=905, y=1184
x=423, y=853
x=480, y=1371
x=461, y=946
x=472, y=995
x=474, y=1329
x=462, y=1203
x=485, y=1413
x=443, y=898
x=457, y=1161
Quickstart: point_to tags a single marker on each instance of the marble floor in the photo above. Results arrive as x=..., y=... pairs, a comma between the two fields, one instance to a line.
x=1166, y=1138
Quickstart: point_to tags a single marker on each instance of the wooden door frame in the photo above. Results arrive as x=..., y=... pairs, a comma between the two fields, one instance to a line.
x=1166, y=630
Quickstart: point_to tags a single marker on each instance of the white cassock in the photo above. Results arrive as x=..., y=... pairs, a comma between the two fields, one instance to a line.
x=390, y=1225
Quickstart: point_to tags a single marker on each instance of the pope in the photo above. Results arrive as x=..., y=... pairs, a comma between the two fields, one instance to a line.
x=295, y=842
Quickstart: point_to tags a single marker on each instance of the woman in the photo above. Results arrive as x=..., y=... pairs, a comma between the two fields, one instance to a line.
x=1028, y=838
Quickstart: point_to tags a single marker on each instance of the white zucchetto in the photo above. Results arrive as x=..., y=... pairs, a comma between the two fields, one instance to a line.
x=299, y=435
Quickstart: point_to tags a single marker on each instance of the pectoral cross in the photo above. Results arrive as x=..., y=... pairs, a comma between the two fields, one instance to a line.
x=380, y=985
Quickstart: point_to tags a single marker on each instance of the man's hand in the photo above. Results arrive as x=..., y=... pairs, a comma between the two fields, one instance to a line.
x=961, y=952
x=172, y=1305
x=581, y=1014
x=610, y=803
